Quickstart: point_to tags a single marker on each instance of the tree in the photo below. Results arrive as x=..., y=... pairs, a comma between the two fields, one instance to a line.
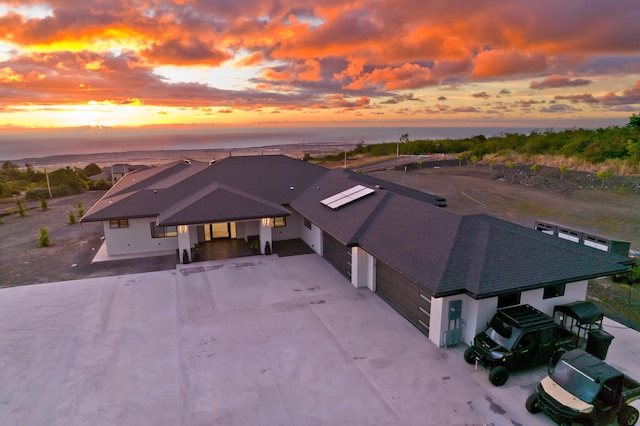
x=563, y=170
x=633, y=150
x=92, y=169
x=634, y=121
x=102, y=184
x=10, y=170
x=602, y=175
x=535, y=168
x=22, y=210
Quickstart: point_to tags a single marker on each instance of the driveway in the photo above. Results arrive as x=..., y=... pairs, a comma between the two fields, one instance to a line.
x=258, y=340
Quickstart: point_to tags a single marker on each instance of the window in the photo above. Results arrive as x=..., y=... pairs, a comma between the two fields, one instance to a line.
x=553, y=291
x=279, y=222
x=119, y=223
x=307, y=223
x=163, y=231
x=508, y=300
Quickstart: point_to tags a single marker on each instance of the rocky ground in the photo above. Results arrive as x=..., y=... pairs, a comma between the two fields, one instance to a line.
x=576, y=199
x=73, y=246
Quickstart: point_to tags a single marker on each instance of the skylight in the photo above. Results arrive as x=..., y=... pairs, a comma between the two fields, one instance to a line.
x=347, y=196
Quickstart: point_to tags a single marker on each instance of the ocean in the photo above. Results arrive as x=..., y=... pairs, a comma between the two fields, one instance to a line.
x=116, y=142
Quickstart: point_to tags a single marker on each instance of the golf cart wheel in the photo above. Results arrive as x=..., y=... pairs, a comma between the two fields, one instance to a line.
x=498, y=375
x=628, y=416
x=532, y=404
x=468, y=355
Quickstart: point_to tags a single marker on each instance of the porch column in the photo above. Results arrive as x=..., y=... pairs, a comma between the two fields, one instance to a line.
x=265, y=233
x=184, y=242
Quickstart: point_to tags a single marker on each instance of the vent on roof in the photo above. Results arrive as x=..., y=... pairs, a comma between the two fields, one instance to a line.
x=212, y=161
x=187, y=161
x=347, y=196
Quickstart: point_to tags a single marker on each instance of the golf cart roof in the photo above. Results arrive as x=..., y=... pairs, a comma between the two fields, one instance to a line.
x=590, y=365
x=585, y=312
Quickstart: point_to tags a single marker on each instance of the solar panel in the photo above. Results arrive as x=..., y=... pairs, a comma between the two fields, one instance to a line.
x=347, y=196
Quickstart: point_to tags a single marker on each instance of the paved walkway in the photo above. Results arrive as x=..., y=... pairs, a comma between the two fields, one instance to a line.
x=258, y=340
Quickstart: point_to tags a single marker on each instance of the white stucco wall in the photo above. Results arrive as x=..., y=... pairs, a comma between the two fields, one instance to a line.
x=246, y=229
x=363, y=270
x=289, y=232
x=476, y=313
x=572, y=292
x=312, y=237
x=136, y=238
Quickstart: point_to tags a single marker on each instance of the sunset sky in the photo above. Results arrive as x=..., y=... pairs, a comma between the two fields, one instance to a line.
x=68, y=63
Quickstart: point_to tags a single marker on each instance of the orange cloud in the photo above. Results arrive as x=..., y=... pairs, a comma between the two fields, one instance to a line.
x=408, y=76
x=308, y=70
x=371, y=52
x=506, y=63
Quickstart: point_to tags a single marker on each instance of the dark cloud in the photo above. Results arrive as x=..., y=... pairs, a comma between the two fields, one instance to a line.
x=583, y=98
x=178, y=52
x=400, y=98
x=558, y=108
x=555, y=81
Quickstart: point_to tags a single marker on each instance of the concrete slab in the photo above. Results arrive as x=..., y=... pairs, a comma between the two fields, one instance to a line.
x=103, y=256
x=253, y=341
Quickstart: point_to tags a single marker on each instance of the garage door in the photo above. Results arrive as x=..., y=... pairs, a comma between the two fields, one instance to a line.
x=404, y=296
x=337, y=254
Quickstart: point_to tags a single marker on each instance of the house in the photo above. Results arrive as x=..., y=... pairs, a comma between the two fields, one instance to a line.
x=115, y=172
x=446, y=273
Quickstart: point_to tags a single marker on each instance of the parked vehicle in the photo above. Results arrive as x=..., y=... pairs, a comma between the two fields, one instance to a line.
x=582, y=388
x=516, y=338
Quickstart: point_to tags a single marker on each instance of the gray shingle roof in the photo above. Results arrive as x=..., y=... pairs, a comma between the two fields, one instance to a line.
x=219, y=203
x=447, y=253
x=276, y=178
x=441, y=251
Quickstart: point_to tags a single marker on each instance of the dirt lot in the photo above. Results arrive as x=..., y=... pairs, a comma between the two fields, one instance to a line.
x=578, y=200
x=72, y=248
x=516, y=195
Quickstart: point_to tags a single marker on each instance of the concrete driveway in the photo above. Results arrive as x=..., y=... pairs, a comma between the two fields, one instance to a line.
x=253, y=341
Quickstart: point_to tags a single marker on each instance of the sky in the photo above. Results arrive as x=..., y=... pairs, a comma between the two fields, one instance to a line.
x=252, y=63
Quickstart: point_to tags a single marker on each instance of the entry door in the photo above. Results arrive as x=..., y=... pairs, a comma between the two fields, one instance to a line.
x=217, y=230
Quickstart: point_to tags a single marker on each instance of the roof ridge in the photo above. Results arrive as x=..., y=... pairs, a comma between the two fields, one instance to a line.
x=357, y=235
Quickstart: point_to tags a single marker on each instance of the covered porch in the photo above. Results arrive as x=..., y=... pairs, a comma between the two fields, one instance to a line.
x=228, y=248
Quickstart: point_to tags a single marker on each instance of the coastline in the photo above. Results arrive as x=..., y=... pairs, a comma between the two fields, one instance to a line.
x=163, y=156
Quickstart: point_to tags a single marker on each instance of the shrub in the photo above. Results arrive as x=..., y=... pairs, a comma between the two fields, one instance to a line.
x=80, y=209
x=36, y=194
x=22, y=210
x=44, y=240
x=44, y=205
x=71, y=218
x=101, y=184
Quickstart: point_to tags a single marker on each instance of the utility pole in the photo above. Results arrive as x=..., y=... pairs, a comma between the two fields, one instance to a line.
x=398, y=143
x=48, y=184
x=345, y=151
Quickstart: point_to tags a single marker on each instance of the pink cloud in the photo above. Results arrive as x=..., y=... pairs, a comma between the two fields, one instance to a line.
x=555, y=81
x=628, y=96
